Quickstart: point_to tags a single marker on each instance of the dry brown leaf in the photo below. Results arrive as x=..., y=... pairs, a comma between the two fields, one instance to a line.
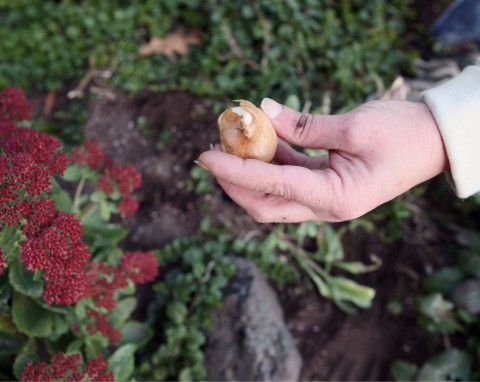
x=176, y=42
x=49, y=102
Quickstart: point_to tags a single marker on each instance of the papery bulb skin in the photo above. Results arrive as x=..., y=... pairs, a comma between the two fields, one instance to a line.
x=245, y=131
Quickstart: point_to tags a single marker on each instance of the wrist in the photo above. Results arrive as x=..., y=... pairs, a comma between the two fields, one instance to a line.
x=434, y=140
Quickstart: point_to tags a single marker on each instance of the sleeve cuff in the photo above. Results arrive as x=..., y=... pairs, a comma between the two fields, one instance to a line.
x=455, y=105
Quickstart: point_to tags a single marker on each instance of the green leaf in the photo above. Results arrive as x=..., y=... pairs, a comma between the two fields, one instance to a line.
x=451, y=365
x=61, y=325
x=123, y=310
x=177, y=311
x=21, y=361
x=334, y=245
x=439, y=311
x=75, y=346
x=105, y=235
x=105, y=211
x=403, y=370
x=320, y=284
x=22, y=280
x=4, y=289
x=62, y=199
x=60, y=309
x=72, y=173
x=443, y=280
x=136, y=333
x=95, y=344
x=469, y=263
x=357, y=267
x=7, y=325
x=185, y=375
x=30, y=318
x=9, y=238
x=394, y=307
x=344, y=289
x=434, y=306
x=176, y=334
x=98, y=196
x=80, y=309
x=11, y=343
x=195, y=336
x=306, y=229
x=122, y=362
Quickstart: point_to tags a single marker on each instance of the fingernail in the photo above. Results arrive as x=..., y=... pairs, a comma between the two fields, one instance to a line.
x=201, y=164
x=271, y=108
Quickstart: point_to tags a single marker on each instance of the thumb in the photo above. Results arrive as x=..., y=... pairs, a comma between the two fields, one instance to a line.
x=303, y=129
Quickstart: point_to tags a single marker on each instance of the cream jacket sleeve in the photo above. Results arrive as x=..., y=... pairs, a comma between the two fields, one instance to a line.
x=455, y=105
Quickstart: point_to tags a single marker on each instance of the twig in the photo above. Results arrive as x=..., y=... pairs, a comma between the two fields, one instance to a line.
x=103, y=92
x=235, y=50
x=90, y=75
x=208, y=272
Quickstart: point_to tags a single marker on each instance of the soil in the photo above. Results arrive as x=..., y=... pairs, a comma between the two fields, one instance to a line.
x=334, y=345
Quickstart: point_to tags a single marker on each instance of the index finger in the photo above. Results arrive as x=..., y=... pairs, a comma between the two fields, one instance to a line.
x=313, y=188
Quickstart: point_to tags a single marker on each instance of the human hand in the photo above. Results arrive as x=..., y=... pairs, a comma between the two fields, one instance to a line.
x=375, y=153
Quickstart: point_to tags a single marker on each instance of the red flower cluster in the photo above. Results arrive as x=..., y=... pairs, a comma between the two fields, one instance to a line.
x=103, y=280
x=140, y=267
x=68, y=368
x=53, y=240
x=98, y=323
x=3, y=262
x=58, y=250
x=124, y=179
x=14, y=106
x=91, y=155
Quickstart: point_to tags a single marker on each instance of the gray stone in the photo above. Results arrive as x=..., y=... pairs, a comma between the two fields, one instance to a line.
x=250, y=340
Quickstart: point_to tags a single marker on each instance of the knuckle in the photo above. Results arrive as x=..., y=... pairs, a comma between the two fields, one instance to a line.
x=357, y=128
x=352, y=131
x=303, y=124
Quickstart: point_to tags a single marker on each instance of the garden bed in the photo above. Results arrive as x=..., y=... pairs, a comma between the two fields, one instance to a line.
x=334, y=345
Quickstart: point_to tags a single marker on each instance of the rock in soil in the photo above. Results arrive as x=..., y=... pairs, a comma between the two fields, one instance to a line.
x=250, y=340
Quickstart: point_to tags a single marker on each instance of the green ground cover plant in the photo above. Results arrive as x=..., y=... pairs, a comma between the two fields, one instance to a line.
x=247, y=49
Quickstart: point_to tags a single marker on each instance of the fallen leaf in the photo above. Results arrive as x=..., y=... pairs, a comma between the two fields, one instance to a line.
x=176, y=42
x=49, y=102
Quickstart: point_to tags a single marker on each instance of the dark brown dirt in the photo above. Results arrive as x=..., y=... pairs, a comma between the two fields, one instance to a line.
x=334, y=346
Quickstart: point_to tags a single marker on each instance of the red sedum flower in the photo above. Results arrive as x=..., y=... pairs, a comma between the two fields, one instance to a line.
x=57, y=249
x=140, y=267
x=3, y=262
x=127, y=206
x=68, y=368
x=112, y=177
x=14, y=106
x=92, y=155
x=53, y=242
x=104, y=280
x=99, y=324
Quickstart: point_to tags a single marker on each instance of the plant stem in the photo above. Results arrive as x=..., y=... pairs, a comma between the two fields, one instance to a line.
x=87, y=211
x=78, y=193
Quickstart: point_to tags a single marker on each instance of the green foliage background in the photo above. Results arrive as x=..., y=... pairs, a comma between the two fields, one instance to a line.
x=287, y=47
